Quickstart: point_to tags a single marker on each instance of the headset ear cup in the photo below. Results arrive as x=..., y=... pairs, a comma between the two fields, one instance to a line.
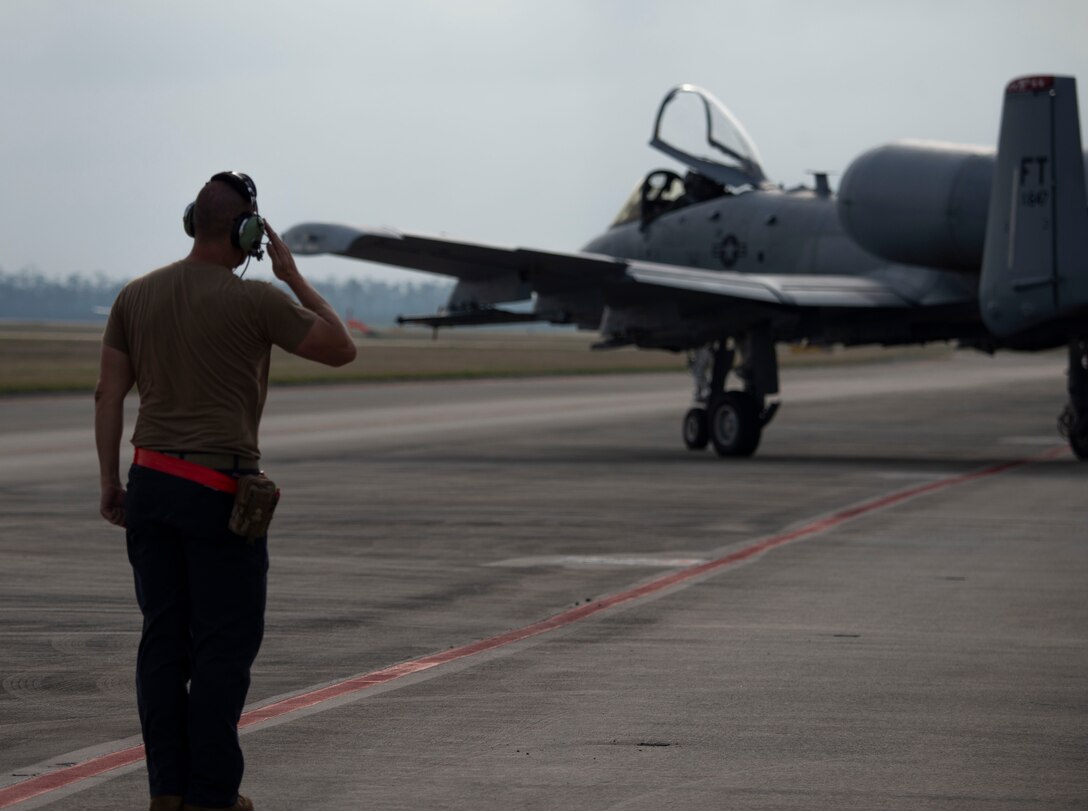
x=247, y=233
x=187, y=220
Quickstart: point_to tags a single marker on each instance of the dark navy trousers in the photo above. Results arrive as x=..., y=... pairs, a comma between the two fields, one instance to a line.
x=202, y=591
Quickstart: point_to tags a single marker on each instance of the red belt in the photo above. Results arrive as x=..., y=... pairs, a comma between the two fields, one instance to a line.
x=186, y=470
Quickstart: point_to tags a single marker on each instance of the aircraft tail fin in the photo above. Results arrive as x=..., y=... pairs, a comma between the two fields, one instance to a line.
x=1035, y=261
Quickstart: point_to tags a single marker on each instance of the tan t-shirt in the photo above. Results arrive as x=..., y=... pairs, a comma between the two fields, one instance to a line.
x=200, y=342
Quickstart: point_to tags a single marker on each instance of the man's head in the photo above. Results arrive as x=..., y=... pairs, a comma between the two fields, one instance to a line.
x=220, y=215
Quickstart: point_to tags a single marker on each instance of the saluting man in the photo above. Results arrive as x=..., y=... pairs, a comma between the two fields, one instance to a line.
x=196, y=341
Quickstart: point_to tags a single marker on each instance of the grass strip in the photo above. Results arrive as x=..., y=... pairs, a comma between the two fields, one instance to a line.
x=43, y=358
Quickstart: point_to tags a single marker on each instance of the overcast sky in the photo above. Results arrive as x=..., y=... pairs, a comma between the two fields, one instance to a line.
x=518, y=123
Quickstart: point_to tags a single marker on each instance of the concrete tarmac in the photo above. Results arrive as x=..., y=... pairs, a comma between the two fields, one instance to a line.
x=920, y=653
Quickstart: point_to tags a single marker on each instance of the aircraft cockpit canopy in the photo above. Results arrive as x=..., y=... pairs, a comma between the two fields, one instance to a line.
x=702, y=134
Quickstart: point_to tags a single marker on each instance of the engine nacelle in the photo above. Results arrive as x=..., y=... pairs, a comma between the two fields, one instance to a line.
x=919, y=203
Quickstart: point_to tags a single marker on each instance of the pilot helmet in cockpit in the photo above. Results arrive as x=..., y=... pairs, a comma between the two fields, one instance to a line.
x=698, y=188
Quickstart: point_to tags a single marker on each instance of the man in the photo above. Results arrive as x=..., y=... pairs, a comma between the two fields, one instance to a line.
x=196, y=340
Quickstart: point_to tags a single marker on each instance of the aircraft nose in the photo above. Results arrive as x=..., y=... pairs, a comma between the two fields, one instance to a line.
x=306, y=239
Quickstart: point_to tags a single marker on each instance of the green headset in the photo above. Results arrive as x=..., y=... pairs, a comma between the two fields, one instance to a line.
x=248, y=228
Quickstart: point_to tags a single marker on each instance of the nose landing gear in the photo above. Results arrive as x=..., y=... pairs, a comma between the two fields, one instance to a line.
x=732, y=421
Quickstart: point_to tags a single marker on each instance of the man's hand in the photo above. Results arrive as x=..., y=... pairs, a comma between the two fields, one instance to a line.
x=115, y=380
x=328, y=340
x=112, y=504
x=283, y=263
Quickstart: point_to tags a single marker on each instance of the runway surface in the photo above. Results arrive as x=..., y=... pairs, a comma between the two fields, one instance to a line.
x=527, y=594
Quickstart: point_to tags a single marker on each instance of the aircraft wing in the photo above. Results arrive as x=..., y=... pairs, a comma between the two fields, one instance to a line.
x=470, y=261
x=512, y=274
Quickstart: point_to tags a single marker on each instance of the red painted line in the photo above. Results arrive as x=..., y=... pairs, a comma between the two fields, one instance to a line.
x=62, y=778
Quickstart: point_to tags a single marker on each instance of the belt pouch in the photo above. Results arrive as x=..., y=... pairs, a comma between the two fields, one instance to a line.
x=254, y=504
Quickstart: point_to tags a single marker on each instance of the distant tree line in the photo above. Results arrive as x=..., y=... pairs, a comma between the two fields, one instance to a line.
x=31, y=296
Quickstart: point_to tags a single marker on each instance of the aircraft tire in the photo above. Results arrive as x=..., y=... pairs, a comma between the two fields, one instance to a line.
x=696, y=431
x=735, y=425
x=1079, y=443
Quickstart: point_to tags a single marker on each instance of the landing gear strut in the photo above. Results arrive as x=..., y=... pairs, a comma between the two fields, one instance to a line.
x=1073, y=421
x=732, y=421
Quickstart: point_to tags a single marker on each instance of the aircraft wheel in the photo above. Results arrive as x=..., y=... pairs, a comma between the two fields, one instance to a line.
x=1075, y=429
x=735, y=425
x=1079, y=443
x=696, y=430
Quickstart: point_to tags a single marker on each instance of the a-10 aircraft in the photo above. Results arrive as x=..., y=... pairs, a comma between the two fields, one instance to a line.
x=924, y=242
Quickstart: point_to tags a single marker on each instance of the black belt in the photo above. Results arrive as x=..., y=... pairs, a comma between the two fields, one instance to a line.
x=219, y=461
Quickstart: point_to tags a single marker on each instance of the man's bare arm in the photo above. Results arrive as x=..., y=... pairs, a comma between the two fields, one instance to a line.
x=328, y=340
x=115, y=380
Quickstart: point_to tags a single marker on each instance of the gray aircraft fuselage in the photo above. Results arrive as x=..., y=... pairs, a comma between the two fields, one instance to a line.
x=754, y=232
x=790, y=232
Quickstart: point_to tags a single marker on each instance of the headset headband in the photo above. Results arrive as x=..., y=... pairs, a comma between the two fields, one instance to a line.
x=241, y=183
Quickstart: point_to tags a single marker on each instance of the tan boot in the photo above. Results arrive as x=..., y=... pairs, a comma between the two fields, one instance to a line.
x=166, y=802
x=242, y=804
